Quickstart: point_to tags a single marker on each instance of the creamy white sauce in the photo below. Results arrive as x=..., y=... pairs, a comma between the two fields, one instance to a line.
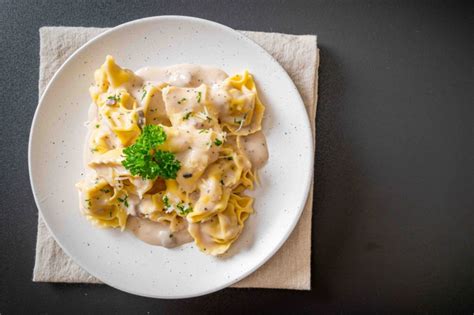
x=156, y=233
x=255, y=146
x=184, y=75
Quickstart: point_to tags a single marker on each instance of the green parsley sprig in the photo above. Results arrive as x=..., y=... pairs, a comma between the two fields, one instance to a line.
x=145, y=159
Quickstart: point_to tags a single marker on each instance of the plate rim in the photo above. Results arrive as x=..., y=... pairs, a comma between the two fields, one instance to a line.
x=306, y=126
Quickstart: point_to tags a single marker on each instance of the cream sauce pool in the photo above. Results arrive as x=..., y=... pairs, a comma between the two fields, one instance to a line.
x=255, y=147
x=156, y=233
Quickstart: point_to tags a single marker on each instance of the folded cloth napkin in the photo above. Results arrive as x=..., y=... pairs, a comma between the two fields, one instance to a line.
x=290, y=267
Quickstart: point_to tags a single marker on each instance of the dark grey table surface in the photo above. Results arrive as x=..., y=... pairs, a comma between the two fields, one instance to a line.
x=393, y=224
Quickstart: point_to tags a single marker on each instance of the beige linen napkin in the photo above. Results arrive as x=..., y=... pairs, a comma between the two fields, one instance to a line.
x=290, y=267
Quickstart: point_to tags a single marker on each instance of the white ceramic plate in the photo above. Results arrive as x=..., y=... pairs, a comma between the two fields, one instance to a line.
x=119, y=259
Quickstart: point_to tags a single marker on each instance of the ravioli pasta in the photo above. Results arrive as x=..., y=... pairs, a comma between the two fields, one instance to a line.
x=212, y=131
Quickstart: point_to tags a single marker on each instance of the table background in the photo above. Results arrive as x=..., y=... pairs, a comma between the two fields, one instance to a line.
x=393, y=223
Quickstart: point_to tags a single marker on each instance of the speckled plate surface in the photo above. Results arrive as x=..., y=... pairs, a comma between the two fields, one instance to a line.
x=118, y=258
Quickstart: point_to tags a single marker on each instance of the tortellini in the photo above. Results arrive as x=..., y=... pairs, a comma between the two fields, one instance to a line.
x=207, y=117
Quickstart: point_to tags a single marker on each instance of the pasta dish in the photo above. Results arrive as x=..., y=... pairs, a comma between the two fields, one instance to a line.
x=171, y=152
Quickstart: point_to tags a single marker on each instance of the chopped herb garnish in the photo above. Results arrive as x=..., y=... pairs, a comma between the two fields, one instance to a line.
x=229, y=158
x=166, y=201
x=124, y=200
x=217, y=142
x=199, y=97
x=94, y=150
x=97, y=126
x=112, y=99
x=203, y=131
x=188, y=114
x=182, y=100
x=145, y=159
x=144, y=94
x=105, y=191
x=184, y=209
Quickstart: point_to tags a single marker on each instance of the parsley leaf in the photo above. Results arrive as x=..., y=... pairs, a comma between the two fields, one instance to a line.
x=116, y=98
x=166, y=201
x=188, y=114
x=184, y=209
x=124, y=200
x=145, y=159
x=217, y=142
x=169, y=165
x=199, y=97
x=151, y=137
